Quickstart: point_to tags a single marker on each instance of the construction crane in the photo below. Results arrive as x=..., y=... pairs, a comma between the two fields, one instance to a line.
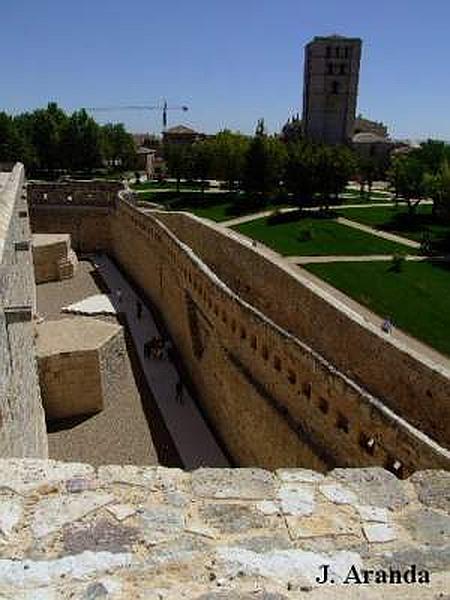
x=164, y=108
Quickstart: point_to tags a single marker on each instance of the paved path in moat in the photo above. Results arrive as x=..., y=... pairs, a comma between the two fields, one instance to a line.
x=190, y=433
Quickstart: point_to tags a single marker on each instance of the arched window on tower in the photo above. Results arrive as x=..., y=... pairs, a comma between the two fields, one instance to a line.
x=335, y=87
x=330, y=68
x=328, y=52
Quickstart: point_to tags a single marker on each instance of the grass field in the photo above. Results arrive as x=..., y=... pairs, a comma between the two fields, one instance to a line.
x=417, y=298
x=210, y=205
x=397, y=220
x=317, y=237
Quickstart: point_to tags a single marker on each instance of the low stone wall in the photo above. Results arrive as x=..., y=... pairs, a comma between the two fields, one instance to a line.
x=88, y=227
x=92, y=192
x=22, y=424
x=247, y=370
x=413, y=387
x=151, y=533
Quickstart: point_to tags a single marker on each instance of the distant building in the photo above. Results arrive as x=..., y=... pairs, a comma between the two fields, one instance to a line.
x=363, y=125
x=180, y=134
x=146, y=160
x=331, y=88
x=373, y=146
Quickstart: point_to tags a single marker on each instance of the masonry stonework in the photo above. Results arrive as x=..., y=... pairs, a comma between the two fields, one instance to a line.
x=150, y=533
x=415, y=389
x=22, y=424
x=275, y=392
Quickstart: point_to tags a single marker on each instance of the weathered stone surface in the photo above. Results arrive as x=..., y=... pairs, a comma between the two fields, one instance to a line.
x=52, y=513
x=428, y=526
x=288, y=565
x=161, y=523
x=122, y=511
x=433, y=488
x=321, y=526
x=379, y=532
x=98, y=536
x=27, y=475
x=373, y=513
x=232, y=518
x=432, y=558
x=251, y=484
x=338, y=494
x=297, y=500
x=138, y=532
x=374, y=486
x=299, y=476
x=11, y=512
x=25, y=574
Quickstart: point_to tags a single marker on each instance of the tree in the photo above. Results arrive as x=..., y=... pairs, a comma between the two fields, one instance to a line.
x=177, y=159
x=408, y=176
x=201, y=161
x=367, y=170
x=292, y=130
x=301, y=172
x=265, y=163
x=438, y=188
x=118, y=147
x=81, y=142
x=229, y=152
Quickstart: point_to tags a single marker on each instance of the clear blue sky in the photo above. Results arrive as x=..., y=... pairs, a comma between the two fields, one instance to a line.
x=231, y=61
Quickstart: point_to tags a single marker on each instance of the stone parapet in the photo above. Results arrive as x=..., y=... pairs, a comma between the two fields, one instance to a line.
x=72, y=531
x=22, y=425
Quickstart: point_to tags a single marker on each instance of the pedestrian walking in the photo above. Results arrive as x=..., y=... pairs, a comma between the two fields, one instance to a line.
x=138, y=309
x=119, y=296
x=387, y=325
x=179, y=391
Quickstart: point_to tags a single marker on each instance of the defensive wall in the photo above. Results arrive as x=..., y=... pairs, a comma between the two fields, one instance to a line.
x=22, y=424
x=412, y=386
x=80, y=208
x=273, y=399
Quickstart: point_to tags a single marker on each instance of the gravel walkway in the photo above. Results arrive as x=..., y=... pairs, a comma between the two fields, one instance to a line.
x=129, y=430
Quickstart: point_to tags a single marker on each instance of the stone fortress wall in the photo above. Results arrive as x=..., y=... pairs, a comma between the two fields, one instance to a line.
x=271, y=398
x=415, y=389
x=22, y=424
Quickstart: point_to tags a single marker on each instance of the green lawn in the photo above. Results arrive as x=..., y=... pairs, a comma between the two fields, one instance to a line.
x=397, y=220
x=210, y=205
x=317, y=237
x=170, y=186
x=417, y=298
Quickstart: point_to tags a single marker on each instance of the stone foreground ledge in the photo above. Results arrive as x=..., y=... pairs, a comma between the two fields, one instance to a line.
x=72, y=531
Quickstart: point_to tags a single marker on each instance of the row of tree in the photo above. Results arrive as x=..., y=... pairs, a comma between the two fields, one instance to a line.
x=49, y=140
x=263, y=164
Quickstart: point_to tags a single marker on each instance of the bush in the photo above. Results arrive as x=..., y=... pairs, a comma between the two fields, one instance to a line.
x=397, y=263
x=306, y=234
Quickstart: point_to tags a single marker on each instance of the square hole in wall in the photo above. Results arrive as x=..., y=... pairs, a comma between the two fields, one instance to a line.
x=342, y=423
x=323, y=405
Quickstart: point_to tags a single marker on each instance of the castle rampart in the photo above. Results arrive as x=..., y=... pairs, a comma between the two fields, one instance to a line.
x=274, y=392
x=413, y=387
